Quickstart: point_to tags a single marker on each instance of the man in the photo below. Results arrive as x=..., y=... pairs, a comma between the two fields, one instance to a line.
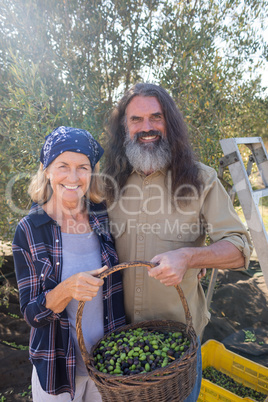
x=162, y=205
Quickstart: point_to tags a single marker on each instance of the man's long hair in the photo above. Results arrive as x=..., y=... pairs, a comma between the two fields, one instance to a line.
x=184, y=169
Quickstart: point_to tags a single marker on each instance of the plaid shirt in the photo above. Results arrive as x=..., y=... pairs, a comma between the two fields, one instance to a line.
x=37, y=251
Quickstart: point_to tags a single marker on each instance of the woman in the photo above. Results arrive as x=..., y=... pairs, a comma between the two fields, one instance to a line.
x=58, y=250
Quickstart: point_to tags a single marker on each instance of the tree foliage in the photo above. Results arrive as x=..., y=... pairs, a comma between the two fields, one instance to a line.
x=206, y=79
x=68, y=62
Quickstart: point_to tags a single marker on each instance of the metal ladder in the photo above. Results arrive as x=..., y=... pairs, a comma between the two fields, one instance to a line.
x=248, y=198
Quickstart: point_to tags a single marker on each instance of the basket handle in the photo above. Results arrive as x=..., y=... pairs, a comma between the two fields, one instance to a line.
x=108, y=272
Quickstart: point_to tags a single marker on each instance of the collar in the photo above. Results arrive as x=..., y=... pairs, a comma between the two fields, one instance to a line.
x=38, y=216
x=154, y=174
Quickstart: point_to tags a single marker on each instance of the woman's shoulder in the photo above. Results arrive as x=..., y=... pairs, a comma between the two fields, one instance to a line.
x=30, y=217
x=98, y=208
x=31, y=224
x=24, y=228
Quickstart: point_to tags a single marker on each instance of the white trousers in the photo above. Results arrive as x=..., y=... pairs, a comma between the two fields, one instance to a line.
x=85, y=391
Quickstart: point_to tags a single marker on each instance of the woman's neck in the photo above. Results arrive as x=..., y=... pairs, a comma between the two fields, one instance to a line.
x=71, y=218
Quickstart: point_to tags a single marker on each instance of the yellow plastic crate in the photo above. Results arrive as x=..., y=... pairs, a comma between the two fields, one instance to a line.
x=242, y=370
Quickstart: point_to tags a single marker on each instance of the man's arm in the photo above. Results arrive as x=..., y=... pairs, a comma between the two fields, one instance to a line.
x=174, y=264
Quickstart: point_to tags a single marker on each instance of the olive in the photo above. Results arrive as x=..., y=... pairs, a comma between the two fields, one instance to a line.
x=133, y=351
x=147, y=367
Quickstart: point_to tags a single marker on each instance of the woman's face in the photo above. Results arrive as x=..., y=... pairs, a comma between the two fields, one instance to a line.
x=69, y=175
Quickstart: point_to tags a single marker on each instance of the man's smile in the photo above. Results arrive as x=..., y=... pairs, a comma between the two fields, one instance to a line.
x=149, y=138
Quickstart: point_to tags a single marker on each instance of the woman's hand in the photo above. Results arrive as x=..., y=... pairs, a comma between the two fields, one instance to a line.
x=82, y=287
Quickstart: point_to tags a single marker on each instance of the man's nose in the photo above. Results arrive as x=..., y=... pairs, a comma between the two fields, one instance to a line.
x=146, y=125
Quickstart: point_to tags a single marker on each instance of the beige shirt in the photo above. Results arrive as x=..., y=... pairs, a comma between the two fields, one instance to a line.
x=145, y=222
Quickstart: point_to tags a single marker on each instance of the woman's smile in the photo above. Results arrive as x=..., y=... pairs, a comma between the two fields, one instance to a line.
x=70, y=187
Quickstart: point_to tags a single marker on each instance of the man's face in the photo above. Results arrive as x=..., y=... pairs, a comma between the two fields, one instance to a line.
x=146, y=144
x=144, y=114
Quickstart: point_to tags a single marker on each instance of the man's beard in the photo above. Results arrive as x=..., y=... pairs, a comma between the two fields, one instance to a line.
x=148, y=157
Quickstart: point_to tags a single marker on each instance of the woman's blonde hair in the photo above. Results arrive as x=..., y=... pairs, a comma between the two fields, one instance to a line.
x=40, y=189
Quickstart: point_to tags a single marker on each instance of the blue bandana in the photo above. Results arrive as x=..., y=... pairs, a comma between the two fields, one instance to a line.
x=71, y=139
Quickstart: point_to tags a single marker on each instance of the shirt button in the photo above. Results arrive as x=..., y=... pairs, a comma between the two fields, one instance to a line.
x=57, y=240
x=106, y=318
x=42, y=275
x=179, y=236
x=138, y=290
x=137, y=312
x=141, y=237
x=57, y=263
x=146, y=182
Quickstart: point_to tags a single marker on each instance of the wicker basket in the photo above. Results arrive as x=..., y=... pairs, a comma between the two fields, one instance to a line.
x=171, y=383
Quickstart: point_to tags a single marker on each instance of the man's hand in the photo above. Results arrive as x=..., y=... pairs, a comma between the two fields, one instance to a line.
x=202, y=273
x=172, y=266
